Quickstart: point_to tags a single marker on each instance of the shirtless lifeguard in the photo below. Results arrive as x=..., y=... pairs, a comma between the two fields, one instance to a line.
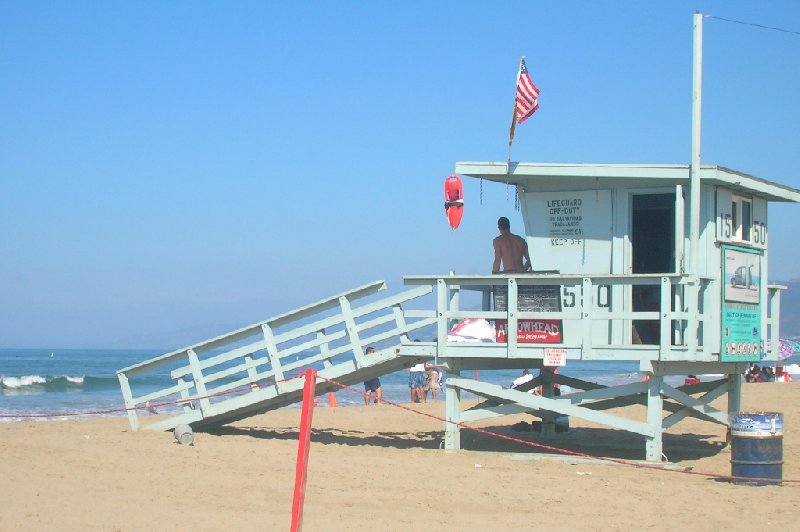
x=510, y=250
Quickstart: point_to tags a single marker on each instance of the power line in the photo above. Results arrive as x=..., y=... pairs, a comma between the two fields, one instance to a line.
x=753, y=24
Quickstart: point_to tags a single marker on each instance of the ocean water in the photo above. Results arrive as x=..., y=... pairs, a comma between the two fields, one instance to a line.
x=39, y=384
x=63, y=382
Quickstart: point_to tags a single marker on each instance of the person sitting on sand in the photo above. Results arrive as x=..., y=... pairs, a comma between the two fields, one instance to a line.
x=519, y=381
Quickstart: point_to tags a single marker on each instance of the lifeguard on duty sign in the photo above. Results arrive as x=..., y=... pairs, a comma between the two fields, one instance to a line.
x=554, y=356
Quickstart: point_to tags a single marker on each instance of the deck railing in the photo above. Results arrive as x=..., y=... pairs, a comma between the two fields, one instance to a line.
x=603, y=317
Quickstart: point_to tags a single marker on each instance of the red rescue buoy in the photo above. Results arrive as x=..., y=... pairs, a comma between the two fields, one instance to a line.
x=453, y=200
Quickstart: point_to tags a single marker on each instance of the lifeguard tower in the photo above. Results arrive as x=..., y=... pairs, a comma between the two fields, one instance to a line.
x=613, y=241
x=661, y=265
x=609, y=242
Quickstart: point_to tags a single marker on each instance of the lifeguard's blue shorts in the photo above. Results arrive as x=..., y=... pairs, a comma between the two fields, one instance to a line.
x=416, y=379
x=372, y=385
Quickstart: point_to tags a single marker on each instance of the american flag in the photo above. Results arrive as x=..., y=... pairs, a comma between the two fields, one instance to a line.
x=527, y=94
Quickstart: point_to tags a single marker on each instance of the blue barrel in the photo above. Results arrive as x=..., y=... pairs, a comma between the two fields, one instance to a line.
x=757, y=448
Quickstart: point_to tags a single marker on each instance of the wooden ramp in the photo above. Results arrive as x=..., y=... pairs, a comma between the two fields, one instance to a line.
x=257, y=368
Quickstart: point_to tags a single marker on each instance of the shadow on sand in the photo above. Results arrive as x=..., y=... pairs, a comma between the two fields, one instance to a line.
x=599, y=442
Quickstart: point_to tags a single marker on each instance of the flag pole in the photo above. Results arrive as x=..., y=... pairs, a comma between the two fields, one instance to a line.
x=511, y=132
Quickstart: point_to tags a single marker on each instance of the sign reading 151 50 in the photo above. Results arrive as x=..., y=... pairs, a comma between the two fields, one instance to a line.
x=728, y=231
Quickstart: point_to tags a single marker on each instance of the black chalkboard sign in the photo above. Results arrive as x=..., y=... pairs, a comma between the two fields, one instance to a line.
x=533, y=298
x=530, y=298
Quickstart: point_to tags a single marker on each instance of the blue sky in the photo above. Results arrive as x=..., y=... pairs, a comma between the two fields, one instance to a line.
x=172, y=170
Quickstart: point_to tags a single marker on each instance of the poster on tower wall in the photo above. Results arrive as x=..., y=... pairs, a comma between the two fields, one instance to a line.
x=569, y=231
x=742, y=337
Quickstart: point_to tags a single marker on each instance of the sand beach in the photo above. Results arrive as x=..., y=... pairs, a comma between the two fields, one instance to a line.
x=380, y=468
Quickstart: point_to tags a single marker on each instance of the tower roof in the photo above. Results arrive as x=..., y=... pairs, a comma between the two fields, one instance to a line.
x=552, y=175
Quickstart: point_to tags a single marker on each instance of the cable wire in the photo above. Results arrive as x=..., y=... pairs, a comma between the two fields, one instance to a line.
x=763, y=27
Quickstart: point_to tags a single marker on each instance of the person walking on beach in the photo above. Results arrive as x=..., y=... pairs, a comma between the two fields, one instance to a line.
x=510, y=250
x=416, y=382
x=432, y=381
x=372, y=386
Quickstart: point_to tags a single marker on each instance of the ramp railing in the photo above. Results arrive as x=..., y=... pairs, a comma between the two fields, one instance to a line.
x=258, y=363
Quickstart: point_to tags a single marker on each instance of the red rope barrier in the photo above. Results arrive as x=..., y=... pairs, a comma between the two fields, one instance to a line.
x=566, y=451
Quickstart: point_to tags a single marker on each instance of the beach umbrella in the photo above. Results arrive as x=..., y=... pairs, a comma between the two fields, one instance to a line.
x=788, y=349
x=789, y=355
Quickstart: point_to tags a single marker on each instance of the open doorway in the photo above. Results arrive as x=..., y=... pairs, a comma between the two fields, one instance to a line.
x=652, y=251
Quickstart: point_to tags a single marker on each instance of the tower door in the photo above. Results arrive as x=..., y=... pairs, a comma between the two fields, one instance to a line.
x=652, y=241
x=653, y=233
